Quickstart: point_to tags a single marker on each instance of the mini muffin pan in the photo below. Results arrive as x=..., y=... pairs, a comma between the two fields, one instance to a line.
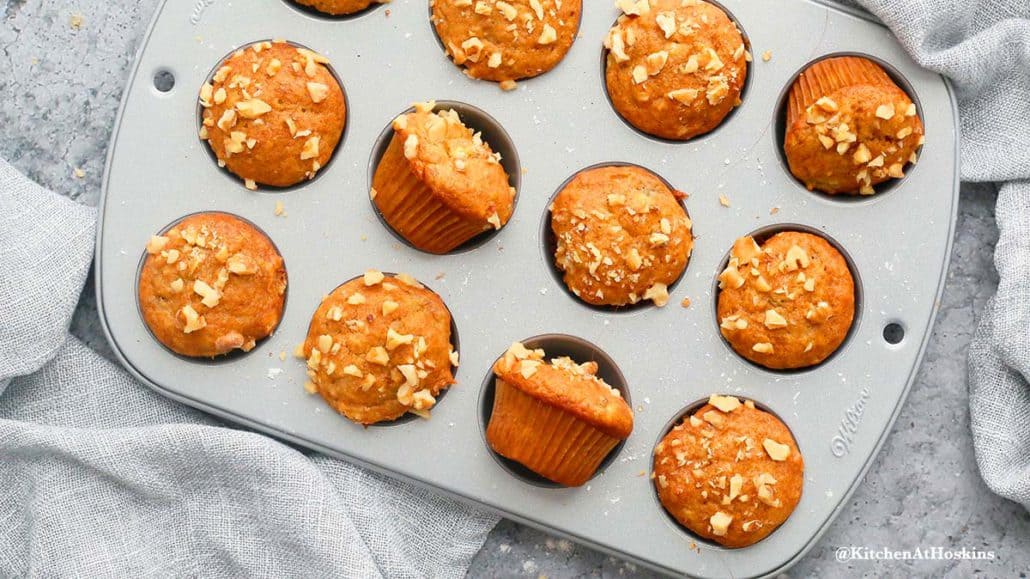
x=505, y=288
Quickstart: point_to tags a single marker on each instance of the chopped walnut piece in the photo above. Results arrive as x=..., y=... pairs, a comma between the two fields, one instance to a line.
x=714, y=418
x=796, y=257
x=778, y=452
x=378, y=355
x=156, y=244
x=763, y=348
x=730, y=277
x=317, y=91
x=252, y=108
x=548, y=35
x=634, y=7
x=411, y=146
x=885, y=112
x=658, y=293
x=724, y=403
x=194, y=321
x=310, y=150
x=720, y=522
x=773, y=320
x=395, y=340
x=639, y=74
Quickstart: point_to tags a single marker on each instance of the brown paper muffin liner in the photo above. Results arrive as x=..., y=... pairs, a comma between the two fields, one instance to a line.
x=547, y=440
x=413, y=210
x=831, y=74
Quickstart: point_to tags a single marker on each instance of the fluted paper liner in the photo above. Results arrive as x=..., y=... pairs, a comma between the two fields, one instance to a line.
x=413, y=210
x=545, y=439
x=831, y=74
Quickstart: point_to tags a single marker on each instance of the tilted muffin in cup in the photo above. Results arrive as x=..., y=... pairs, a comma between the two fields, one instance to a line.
x=675, y=68
x=850, y=127
x=439, y=184
x=729, y=472
x=556, y=418
x=273, y=114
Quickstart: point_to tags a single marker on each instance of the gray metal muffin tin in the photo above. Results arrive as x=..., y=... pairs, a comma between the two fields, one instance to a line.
x=504, y=290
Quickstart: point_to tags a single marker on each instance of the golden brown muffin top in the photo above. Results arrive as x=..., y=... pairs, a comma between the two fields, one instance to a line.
x=506, y=40
x=212, y=284
x=850, y=127
x=339, y=7
x=730, y=472
x=675, y=68
x=568, y=386
x=622, y=236
x=456, y=164
x=380, y=346
x=788, y=303
x=273, y=114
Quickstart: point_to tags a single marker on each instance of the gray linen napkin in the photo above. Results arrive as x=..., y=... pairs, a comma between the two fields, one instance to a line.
x=984, y=47
x=103, y=477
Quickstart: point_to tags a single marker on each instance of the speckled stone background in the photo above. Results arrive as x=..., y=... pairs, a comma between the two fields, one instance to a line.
x=62, y=71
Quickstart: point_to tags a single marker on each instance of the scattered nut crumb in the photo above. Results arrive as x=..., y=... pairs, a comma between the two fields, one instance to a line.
x=724, y=201
x=767, y=55
x=280, y=211
x=76, y=21
x=685, y=303
x=79, y=173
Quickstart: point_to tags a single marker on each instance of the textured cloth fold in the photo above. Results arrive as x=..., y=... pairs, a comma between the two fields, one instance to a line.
x=983, y=46
x=103, y=477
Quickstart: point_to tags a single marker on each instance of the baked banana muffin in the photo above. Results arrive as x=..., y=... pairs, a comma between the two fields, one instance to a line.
x=439, y=184
x=788, y=303
x=849, y=127
x=506, y=40
x=675, y=68
x=339, y=7
x=378, y=347
x=557, y=418
x=622, y=236
x=211, y=284
x=273, y=113
x=729, y=472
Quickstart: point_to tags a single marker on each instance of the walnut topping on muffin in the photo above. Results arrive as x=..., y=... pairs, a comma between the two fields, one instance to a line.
x=273, y=113
x=723, y=473
x=622, y=236
x=788, y=303
x=506, y=40
x=675, y=69
x=378, y=349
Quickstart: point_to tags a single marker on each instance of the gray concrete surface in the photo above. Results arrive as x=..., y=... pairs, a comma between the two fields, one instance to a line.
x=62, y=69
